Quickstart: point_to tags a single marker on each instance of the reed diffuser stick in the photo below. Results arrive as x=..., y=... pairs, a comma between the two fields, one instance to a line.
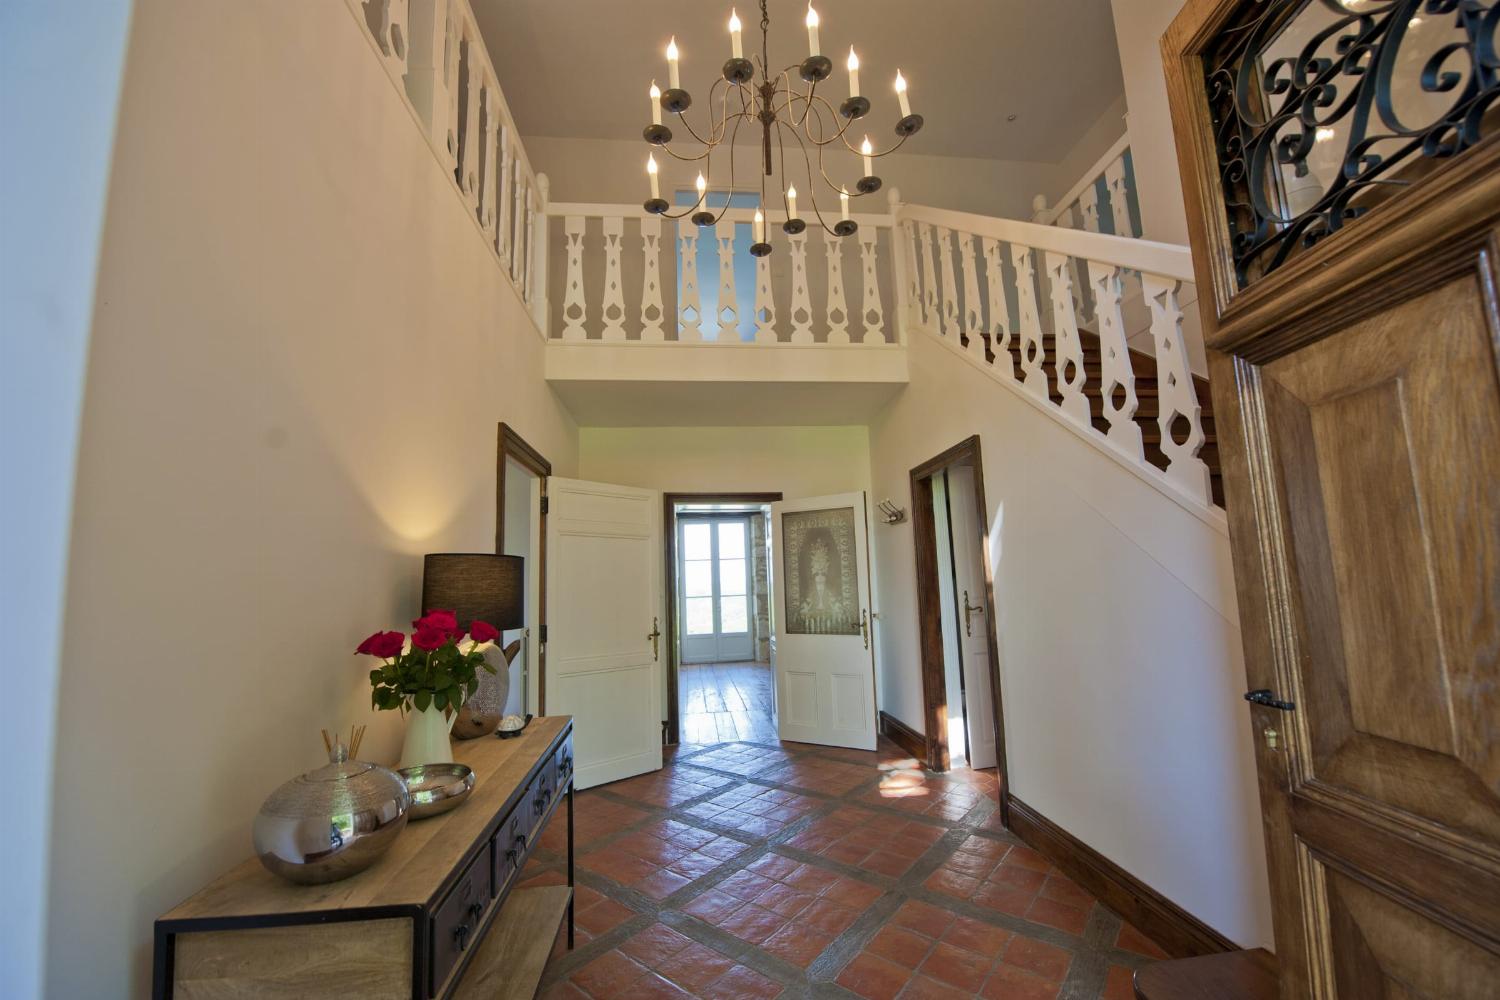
x=327, y=743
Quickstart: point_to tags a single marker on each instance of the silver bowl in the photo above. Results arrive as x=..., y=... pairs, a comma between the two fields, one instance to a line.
x=333, y=822
x=436, y=788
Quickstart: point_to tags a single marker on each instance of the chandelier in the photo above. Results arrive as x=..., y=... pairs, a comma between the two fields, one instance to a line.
x=800, y=120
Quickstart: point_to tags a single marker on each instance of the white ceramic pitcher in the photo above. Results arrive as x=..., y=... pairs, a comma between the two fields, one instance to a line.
x=427, y=737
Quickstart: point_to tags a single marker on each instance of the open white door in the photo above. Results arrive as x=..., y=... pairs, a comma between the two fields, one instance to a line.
x=973, y=616
x=825, y=671
x=603, y=603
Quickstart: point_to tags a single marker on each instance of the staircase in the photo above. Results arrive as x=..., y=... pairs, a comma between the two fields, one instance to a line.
x=1147, y=396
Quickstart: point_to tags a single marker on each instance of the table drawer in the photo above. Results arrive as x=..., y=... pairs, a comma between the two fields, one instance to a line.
x=512, y=844
x=455, y=922
x=550, y=781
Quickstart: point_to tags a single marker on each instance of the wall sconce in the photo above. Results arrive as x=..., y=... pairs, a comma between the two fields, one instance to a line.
x=890, y=513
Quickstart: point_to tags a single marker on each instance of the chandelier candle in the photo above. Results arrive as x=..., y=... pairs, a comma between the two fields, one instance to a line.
x=782, y=107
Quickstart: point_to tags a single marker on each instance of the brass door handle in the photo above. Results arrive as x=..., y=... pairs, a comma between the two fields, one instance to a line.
x=970, y=610
x=864, y=627
x=655, y=636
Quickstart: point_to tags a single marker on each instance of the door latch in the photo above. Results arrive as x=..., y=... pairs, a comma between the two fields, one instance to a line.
x=864, y=627
x=969, y=611
x=655, y=636
x=1266, y=697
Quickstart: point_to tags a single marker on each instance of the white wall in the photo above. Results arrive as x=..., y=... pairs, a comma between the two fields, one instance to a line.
x=1120, y=657
x=300, y=355
x=59, y=84
x=1092, y=144
x=797, y=461
x=1139, y=25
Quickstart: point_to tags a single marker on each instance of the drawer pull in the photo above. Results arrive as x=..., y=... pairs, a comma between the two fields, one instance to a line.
x=461, y=936
x=514, y=854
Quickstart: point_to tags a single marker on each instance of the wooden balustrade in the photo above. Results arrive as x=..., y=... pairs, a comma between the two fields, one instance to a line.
x=800, y=294
x=1095, y=391
x=433, y=52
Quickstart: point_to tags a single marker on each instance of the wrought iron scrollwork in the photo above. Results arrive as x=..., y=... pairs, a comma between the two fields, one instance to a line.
x=1390, y=83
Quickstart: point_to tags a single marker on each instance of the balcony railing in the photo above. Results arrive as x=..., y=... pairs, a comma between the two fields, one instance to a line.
x=435, y=56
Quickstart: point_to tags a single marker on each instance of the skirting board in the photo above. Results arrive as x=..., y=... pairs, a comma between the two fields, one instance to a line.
x=1180, y=933
x=903, y=736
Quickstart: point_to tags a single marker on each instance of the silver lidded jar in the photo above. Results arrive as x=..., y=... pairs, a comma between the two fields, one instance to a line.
x=330, y=823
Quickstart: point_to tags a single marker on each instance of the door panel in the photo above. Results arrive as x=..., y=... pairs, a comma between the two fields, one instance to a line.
x=825, y=670
x=968, y=570
x=603, y=596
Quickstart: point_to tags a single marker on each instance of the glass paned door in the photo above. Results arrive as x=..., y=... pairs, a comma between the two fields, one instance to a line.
x=713, y=571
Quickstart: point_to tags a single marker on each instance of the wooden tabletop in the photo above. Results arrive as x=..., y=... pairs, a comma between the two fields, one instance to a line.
x=413, y=869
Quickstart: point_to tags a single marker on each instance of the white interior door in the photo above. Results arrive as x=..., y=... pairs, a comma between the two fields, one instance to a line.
x=825, y=670
x=973, y=617
x=603, y=603
x=713, y=592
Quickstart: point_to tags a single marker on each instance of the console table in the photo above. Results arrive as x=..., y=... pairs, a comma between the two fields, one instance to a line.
x=437, y=916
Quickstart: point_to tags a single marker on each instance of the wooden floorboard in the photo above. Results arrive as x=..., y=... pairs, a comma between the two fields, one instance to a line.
x=726, y=702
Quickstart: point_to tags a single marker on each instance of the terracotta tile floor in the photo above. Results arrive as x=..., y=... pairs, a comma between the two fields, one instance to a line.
x=759, y=870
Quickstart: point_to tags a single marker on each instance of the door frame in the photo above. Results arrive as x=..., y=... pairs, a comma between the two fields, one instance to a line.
x=929, y=623
x=509, y=444
x=672, y=727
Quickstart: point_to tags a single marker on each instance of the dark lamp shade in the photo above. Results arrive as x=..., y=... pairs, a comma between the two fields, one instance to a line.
x=480, y=586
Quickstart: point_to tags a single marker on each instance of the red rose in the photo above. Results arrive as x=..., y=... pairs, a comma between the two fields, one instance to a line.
x=445, y=621
x=383, y=644
x=482, y=631
x=429, y=638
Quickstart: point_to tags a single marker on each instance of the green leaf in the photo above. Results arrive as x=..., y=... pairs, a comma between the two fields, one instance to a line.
x=472, y=687
x=441, y=700
x=374, y=676
x=422, y=700
x=455, y=697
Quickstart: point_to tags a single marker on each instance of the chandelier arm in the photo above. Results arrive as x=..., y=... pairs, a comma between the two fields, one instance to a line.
x=729, y=192
x=812, y=191
x=833, y=114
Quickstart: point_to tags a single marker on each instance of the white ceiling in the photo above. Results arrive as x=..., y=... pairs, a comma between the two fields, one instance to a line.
x=581, y=68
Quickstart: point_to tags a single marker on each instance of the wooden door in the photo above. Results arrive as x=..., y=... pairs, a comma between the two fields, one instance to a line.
x=1347, y=286
x=603, y=605
x=973, y=617
x=825, y=670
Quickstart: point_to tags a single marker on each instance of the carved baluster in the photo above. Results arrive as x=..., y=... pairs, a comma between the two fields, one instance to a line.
x=539, y=234
x=765, y=303
x=1033, y=352
x=930, y=314
x=994, y=276
x=950, y=285
x=1176, y=396
x=517, y=216
x=689, y=304
x=1119, y=205
x=614, y=292
x=973, y=325
x=1068, y=348
x=802, y=313
x=915, y=314
x=873, y=314
x=427, y=63
x=838, y=307
x=530, y=243
x=575, y=305
x=652, y=310
x=487, y=213
x=454, y=34
x=391, y=35
x=729, y=304
x=1117, y=378
x=1088, y=204
x=468, y=144
x=503, y=197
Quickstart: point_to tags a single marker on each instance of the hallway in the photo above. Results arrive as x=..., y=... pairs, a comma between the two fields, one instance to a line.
x=726, y=702
x=785, y=870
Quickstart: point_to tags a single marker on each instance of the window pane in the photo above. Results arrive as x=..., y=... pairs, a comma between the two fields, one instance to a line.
x=698, y=580
x=731, y=576
x=732, y=540
x=696, y=541
x=700, y=616
x=735, y=614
